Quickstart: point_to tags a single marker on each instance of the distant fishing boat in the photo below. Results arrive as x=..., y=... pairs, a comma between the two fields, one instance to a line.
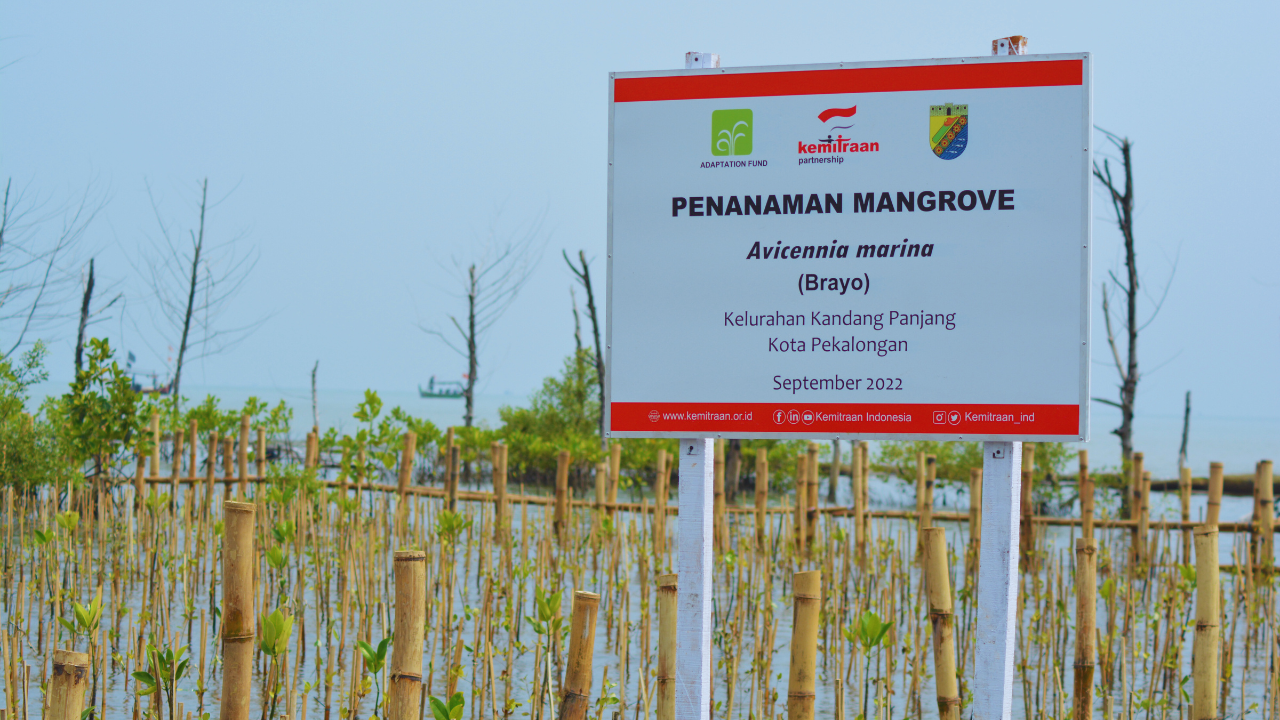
x=441, y=389
x=155, y=388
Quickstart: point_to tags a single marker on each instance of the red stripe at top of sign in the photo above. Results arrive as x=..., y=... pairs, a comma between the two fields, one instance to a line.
x=850, y=80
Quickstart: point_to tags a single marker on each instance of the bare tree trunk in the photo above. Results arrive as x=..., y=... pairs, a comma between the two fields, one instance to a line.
x=84, y=317
x=472, y=364
x=1186, y=431
x=583, y=274
x=472, y=361
x=315, y=407
x=1122, y=204
x=577, y=322
x=191, y=298
x=1129, y=391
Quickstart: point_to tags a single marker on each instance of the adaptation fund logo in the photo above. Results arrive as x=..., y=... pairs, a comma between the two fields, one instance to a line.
x=731, y=132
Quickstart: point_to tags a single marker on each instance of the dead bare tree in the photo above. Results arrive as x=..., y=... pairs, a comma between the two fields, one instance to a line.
x=1186, y=432
x=87, y=314
x=37, y=276
x=490, y=280
x=84, y=317
x=582, y=271
x=1127, y=367
x=192, y=285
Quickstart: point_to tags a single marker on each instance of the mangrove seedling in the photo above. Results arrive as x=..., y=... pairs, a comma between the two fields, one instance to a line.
x=87, y=618
x=451, y=710
x=374, y=659
x=276, y=629
x=165, y=669
x=869, y=633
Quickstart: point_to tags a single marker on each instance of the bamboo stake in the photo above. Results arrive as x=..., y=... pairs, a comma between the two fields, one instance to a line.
x=309, y=455
x=501, y=521
x=576, y=689
x=1266, y=494
x=802, y=492
x=833, y=475
x=811, y=500
x=561, y=523
x=448, y=453
x=717, y=504
x=1026, y=534
x=406, y=648
x=601, y=479
x=1137, y=539
x=406, y=461
x=660, y=509
x=930, y=479
x=238, y=564
x=921, y=473
x=859, y=506
x=260, y=453
x=866, y=474
x=1184, y=496
x=666, y=678
x=938, y=586
x=154, y=470
x=455, y=467
x=1144, y=518
x=804, y=645
x=228, y=465
x=1204, y=670
x=975, y=519
x=193, y=439
x=242, y=456
x=177, y=469
x=732, y=482
x=1085, y=485
x=139, y=480
x=1214, y=506
x=615, y=469
x=211, y=464
x=762, y=494
x=1086, y=622
x=70, y=680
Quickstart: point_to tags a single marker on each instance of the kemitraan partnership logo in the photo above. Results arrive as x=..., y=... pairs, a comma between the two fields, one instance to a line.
x=833, y=149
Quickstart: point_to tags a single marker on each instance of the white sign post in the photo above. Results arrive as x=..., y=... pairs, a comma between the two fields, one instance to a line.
x=997, y=581
x=694, y=566
x=694, y=561
x=998, y=562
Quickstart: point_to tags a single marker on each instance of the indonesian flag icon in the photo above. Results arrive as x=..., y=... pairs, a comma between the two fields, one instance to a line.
x=826, y=115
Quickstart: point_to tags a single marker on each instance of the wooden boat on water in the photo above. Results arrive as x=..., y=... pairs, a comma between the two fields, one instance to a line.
x=441, y=389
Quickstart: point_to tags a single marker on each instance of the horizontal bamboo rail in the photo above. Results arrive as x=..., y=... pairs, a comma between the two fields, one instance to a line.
x=838, y=510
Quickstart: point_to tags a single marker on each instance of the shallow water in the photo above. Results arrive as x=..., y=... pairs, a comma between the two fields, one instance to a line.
x=1247, y=685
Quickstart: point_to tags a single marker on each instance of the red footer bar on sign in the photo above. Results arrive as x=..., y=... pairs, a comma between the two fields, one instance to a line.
x=921, y=419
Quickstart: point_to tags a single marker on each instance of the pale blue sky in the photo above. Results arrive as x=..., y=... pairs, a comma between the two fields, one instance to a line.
x=368, y=140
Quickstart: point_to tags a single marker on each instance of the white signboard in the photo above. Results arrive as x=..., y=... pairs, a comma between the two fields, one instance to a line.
x=886, y=250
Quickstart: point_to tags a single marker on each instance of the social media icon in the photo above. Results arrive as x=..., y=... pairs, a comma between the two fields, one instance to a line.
x=807, y=418
x=939, y=417
x=793, y=417
x=779, y=416
x=653, y=416
x=953, y=417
